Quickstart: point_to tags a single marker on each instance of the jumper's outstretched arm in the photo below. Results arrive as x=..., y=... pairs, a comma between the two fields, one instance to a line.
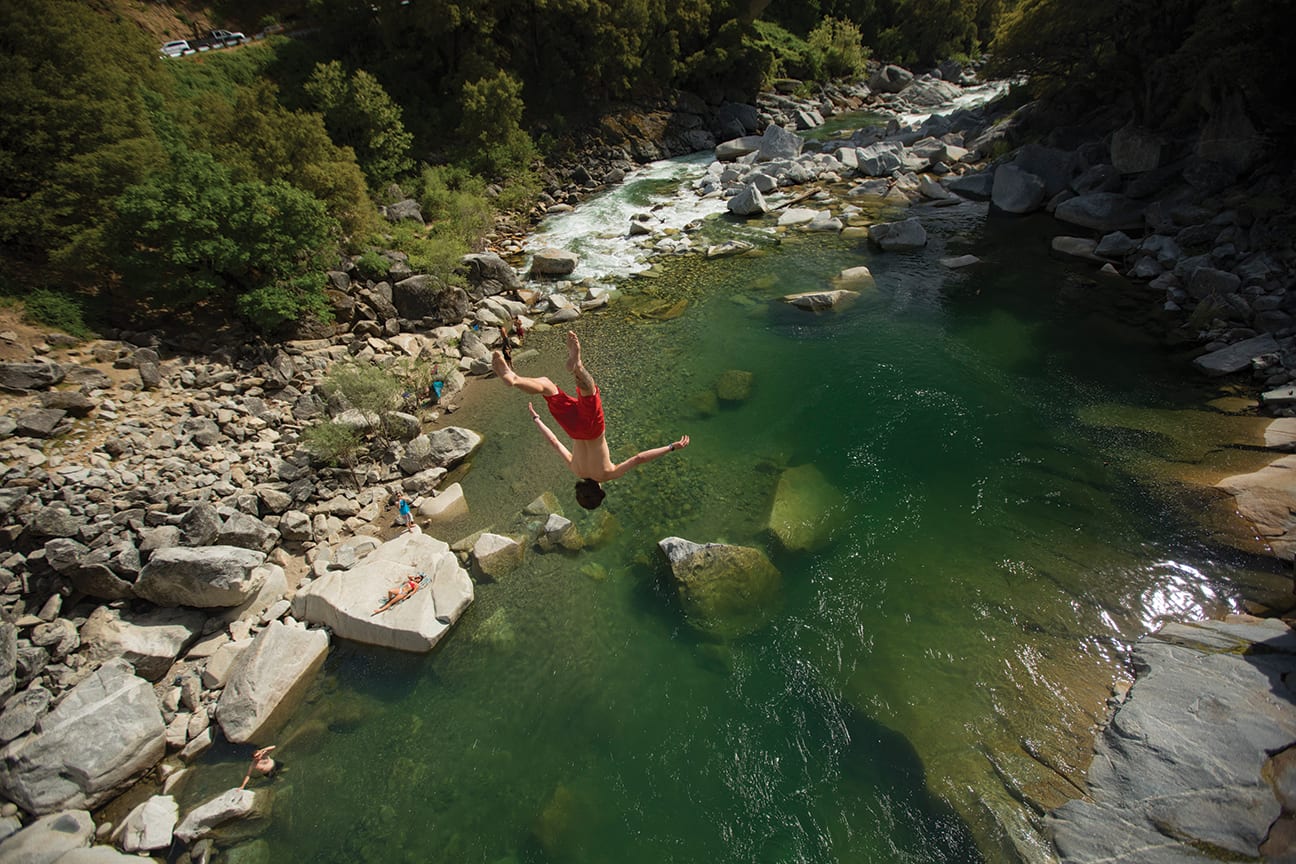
x=645, y=456
x=550, y=436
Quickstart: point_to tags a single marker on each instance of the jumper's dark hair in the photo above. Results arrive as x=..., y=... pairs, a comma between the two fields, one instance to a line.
x=589, y=494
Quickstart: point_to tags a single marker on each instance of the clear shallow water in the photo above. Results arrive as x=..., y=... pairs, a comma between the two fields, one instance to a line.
x=927, y=671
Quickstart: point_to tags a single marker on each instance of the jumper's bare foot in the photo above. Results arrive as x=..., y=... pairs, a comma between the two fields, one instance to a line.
x=502, y=369
x=573, y=352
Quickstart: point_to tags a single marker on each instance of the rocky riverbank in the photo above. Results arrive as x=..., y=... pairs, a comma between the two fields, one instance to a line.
x=178, y=555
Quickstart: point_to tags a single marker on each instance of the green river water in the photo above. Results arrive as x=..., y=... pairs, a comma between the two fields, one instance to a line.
x=927, y=680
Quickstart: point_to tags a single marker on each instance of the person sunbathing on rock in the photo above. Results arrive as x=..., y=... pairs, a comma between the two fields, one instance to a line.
x=581, y=417
x=396, y=595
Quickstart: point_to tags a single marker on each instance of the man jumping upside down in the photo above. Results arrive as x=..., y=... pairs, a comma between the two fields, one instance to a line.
x=581, y=417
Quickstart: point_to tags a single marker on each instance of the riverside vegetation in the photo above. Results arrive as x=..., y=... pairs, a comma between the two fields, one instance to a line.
x=237, y=416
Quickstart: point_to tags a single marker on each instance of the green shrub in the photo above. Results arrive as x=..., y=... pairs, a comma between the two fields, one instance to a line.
x=839, y=43
x=60, y=311
x=270, y=308
x=428, y=253
x=373, y=265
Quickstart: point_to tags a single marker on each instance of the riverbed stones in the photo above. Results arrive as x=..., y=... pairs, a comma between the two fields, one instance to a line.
x=206, y=577
x=106, y=732
x=726, y=590
x=1101, y=211
x=21, y=377
x=1184, y=764
x=854, y=279
x=449, y=504
x=149, y=826
x=150, y=640
x=49, y=838
x=554, y=262
x=1016, y=191
x=736, y=148
x=900, y=236
x=497, y=555
x=778, y=143
x=806, y=509
x=1236, y=357
x=344, y=601
x=268, y=680
x=748, y=202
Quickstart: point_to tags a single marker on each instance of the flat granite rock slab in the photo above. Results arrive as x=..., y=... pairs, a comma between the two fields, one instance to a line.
x=1180, y=773
x=345, y=600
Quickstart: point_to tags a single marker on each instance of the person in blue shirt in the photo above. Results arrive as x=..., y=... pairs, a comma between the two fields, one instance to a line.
x=406, y=517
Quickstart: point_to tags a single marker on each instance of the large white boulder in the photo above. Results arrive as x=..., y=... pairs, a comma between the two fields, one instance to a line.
x=149, y=826
x=344, y=601
x=103, y=736
x=205, y=576
x=49, y=838
x=268, y=680
x=150, y=640
x=225, y=807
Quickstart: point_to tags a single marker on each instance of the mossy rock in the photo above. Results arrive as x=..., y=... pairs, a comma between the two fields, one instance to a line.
x=726, y=590
x=735, y=385
x=807, y=508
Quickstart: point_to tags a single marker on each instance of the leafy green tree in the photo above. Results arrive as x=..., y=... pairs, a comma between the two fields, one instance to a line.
x=192, y=233
x=76, y=131
x=359, y=114
x=1160, y=62
x=258, y=138
x=492, y=126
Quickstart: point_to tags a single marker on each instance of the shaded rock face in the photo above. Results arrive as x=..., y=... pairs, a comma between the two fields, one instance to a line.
x=488, y=274
x=344, y=601
x=1185, y=764
x=426, y=297
x=103, y=736
x=29, y=376
x=726, y=590
x=204, y=577
x=268, y=680
x=899, y=236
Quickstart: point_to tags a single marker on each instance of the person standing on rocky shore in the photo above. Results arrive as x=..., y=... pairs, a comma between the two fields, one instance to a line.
x=581, y=417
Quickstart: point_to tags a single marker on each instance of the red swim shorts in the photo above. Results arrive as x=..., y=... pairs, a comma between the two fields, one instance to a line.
x=581, y=418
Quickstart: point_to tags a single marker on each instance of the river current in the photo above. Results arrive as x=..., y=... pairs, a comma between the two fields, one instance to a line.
x=1002, y=531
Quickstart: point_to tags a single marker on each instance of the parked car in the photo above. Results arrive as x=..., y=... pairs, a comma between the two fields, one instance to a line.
x=225, y=37
x=176, y=48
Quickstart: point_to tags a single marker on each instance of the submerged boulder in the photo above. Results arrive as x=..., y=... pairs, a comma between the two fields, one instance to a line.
x=806, y=508
x=344, y=601
x=818, y=301
x=899, y=236
x=726, y=590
